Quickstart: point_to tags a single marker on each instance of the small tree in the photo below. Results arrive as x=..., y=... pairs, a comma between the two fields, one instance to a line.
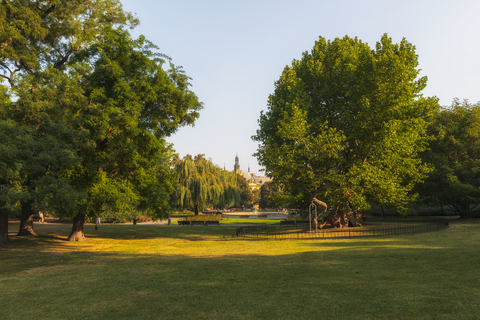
x=268, y=194
x=246, y=195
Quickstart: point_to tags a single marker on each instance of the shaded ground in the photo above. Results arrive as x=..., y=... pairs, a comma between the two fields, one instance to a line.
x=152, y=272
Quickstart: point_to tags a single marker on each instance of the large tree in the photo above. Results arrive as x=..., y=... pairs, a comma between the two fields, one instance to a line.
x=37, y=41
x=86, y=92
x=455, y=155
x=133, y=104
x=202, y=184
x=345, y=125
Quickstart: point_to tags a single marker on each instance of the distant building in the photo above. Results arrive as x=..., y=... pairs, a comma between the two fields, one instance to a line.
x=255, y=182
x=236, y=167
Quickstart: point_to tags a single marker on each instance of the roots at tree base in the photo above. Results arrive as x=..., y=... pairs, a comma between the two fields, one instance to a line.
x=338, y=218
x=77, y=229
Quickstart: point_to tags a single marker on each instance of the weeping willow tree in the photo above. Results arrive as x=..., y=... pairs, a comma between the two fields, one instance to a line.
x=202, y=184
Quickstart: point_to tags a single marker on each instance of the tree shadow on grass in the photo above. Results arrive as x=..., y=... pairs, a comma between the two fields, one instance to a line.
x=347, y=284
x=131, y=232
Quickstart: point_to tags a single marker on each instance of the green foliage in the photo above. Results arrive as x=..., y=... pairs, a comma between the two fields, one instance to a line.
x=246, y=195
x=85, y=110
x=455, y=154
x=38, y=35
x=269, y=196
x=202, y=184
x=346, y=123
x=40, y=141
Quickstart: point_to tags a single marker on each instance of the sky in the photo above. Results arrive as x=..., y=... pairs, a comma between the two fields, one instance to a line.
x=234, y=51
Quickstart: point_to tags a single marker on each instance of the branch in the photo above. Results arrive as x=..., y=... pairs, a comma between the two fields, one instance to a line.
x=473, y=208
x=64, y=59
x=8, y=79
x=49, y=10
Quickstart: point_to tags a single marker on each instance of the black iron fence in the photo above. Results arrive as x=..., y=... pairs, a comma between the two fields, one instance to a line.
x=408, y=225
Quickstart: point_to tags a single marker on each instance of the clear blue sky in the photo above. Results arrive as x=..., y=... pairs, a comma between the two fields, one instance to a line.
x=235, y=51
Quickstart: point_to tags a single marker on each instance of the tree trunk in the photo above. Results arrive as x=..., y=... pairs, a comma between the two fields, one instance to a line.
x=77, y=228
x=342, y=218
x=196, y=209
x=4, y=227
x=26, y=219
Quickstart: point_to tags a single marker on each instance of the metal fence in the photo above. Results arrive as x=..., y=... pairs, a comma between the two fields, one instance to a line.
x=409, y=225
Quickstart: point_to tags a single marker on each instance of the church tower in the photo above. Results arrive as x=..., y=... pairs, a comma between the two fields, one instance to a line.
x=237, y=165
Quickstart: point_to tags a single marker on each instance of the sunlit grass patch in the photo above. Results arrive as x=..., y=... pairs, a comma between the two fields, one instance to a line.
x=173, y=272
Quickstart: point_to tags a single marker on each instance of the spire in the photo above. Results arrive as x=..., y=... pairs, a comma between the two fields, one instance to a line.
x=249, y=167
x=237, y=164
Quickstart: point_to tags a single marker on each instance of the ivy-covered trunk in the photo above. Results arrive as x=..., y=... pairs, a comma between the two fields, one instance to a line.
x=3, y=227
x=77, y=228
x=26, y=219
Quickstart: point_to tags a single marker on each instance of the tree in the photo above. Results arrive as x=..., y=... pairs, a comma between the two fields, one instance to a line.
x=38, y=35
x=268, y=192
x=202, y=184
x=38, y=38
x=133, y=105
x=455, y=155
x=111, y=127
x=11, y=155
x=246, y=195
x=345, y=124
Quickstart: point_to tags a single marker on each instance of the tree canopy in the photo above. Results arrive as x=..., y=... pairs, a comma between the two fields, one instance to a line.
x=345, y=124
x=246, y=194
x=269, y=195
x=90, y=106
x=454, y=152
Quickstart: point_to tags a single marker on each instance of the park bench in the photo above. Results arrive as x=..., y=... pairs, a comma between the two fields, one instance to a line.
x=183, y=222
x=197, y=223
x=212, y=223
x=144, y=219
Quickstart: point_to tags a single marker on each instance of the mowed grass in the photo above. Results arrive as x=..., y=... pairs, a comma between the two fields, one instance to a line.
x=173, y=272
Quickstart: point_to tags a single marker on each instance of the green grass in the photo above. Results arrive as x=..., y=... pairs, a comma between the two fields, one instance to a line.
x=249, y=221
x=172, y=272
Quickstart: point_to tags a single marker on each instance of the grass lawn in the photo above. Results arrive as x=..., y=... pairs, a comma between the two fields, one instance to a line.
x=173, y=272
x=249, y=221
